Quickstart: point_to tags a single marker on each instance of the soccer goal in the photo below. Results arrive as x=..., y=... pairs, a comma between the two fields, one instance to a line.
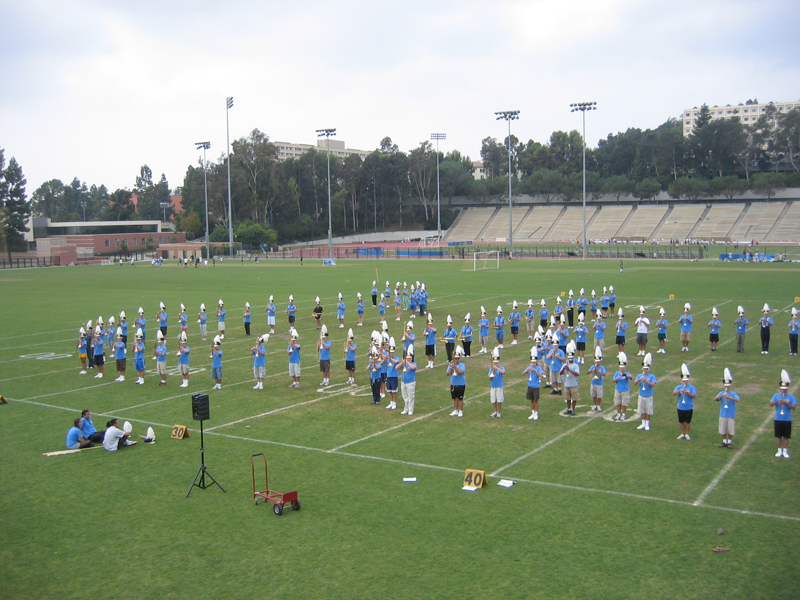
x=486, y=260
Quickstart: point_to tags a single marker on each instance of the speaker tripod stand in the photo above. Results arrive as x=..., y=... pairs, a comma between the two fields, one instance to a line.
x=202, y=472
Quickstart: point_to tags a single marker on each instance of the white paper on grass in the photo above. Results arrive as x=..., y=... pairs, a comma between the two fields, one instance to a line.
x=506, y=483
x=409, y=479
x=469, y=488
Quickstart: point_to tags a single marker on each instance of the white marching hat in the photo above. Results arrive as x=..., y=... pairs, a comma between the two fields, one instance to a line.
x=410, y=325
x=466, y=318
x=727, y=377
x=483, y=311
x=552, y=320
x=571, y=348
x=530, y=303
x=542, y=302
x=293, y=333
x=358, y=295
x=611, y=289
x=622, y=358
x=291, y=298
x=662, y=311
x=496, y=354
x=642, y=310
x=384, y=326
x=794, y=311
x=430, y=317
x=374, y=283
x=558, y=299
x=581, y=317
x=82, y=331
x=100, y=320
x=161, y=305
x=514, y=305
x=562, y=318
x=141, y=310
x=127, y=427
x=423, y=287
x=685, y=372
x=766, y=308
x=217, y=341
x=350, y=334
x=647, y=361
x=139, y=333
x=246, y=305
x=323, y=332
x=405, y=285
x=582, y=292
x=605, y=290
x=571, y=294
x=184, y=308
x=271, y=297
x=621, y=312
x=499, y=308
x=714, y=312
x=264, y=338
x=459, y=351
x=111, y=320
x=316, y=300
x=202, y=307
x=785, y=380
x=119, y=331
x=220, y=302
x=97, y=330
x=183, y=336
x=534, y=353
x=122, y=314
x=598, y=353
x=594, y=293
x=410, y=350
x=449, y=320
x=397, y=285
x=392, y=345
x=687, y=306
x=340, y=296
x=740, y=309
x=385, y=337
x=159, y=335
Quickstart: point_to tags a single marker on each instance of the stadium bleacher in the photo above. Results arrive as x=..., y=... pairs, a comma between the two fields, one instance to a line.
x=538, y=223
x=757, y=221
x=787, y=227
x=718, y=222
x=498, y=228
x=608, y=222
x=680, y=222
x=570, y=227
x=644, y=222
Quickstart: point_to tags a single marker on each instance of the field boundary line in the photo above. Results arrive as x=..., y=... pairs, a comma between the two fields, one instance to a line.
x=730, y=464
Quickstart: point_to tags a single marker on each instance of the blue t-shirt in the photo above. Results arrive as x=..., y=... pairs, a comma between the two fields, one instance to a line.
x=714, y=325
x=662, y=325
x=340, y=309
x=98, y=345
x=291, y=308
x=141, y=323
x=294, y=353
x=410, y=339
x=381, y=308
x=645, y=390
x=124, y=326
x=162, y=319
x=598, y=373
x=766, y=322
x=530, y=314
x=580, y=333
x=558, y=360
x=221, y=315
x=458, y=378
x=534, y=375
x=351, y=352
x=183, y=358
x=622, y=329
x=794, y=327
x=375, y=370
x=483, y=324
x=514, y=319
x=501, y=323
x=410, y=375
x=497, y=380
x=182, y=318
x=622, y=381
x=88, y=426
x=73, y=436
x=360, y=307
x=727, y=408
x=685, y=401
x=430, y=336
x=686, y=323
x=593, y=304
x=271, y=308
x=216, y=359
x=741, y=324
x=787, y=413
x=203, y=318
x=583, y=302
x=604, y=301
x=563, y=336
x=246, y=315
x=325, y=350
x=119, y=350
x=543, y=314
x=600, y=330
x=138, y=351
x=391, y=366
x=450, y=335
x=466, y=333
x=260, y=356
x=161, y=353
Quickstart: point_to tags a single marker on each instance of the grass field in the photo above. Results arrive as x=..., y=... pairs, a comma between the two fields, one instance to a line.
x=599, y=510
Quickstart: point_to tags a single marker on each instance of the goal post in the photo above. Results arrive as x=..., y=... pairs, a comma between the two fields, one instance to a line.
x=489, y=259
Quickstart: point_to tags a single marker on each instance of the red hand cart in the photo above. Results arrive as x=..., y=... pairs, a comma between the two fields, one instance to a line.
x=276, y=499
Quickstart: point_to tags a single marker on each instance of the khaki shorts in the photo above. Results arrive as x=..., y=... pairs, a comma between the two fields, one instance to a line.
x=727, y=426
x=596, y=391
x=220, y=325
x=571, y=394
x=259, y=372
x=294, y=369
x=183, y=369
x=686, y=336
x=497, y=395
x=646, y=405
x=622, y=398
x=161, y=367
x=600, y=343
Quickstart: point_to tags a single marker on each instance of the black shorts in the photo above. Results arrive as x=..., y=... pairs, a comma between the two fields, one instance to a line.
x=457, y=392
x=620, y=340
x=514, y=330
x=383, y=377
x=783, y=429
x=350, y=365
x=430, y=349
x=532, y=394
x=713, y=337
x=662, y=337
x=99, y=359
x=324, y=366
x=291, y=319
x=581, y=346
x=684, y=416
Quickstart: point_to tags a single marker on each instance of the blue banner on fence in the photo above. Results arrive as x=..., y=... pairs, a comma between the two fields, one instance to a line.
x=747, y=257
x=459, y=243
x=328, y=262
x=410, y=253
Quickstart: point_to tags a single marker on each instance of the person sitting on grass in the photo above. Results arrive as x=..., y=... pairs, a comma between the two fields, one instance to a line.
x=75, y=437
x=115, y=438
x=88, y=428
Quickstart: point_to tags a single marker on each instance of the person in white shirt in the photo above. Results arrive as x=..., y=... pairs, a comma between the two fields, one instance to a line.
x=642, y=328
x=115, y=438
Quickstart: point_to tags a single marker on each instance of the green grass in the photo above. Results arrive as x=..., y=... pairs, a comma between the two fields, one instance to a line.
x=600, y=509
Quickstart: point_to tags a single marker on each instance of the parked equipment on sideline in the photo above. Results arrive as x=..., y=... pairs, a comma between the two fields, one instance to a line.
x=276, y=499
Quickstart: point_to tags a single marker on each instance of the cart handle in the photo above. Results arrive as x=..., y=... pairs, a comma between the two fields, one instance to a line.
x=259, y=454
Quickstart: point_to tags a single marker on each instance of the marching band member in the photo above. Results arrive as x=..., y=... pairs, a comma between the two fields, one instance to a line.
x=794, y=329
x=604, y=302
x=765, y=323
x=392, y=375
x=784, y=404
x=413, y=299
x=183, y=320
x=271, y=308
x=661, y=327
x=138, y=356
x=571, y=304
x=183, y=360
x=598, y=373
x=647, y=381
x=161, y=357
x=82, y=347
x=360, y=309
x=374, y=293
x=530, y=316
x=581, y=334
x=216, y=363
x=423, y=301
x=259, y=353
x=221, y=319
x=499, y=326
x=141, y=323
x=163, y=318
x=350, y=348
x=593, y=305
x=583, y=302
x=202, y=319
x=123, y=322
x=247, y=318
x=686, y=321
x=408, y=382
x=535, y=376
x=317, y=312
x=483, y=331
x=741, y=329
x=686, y=394
x=120, y=355
x=97, y=351
x=405, y=296
x=513, y=321
x=408, y=338
x=713, y=329
x=398, y=304
x=642, y=329
x=430, y=341
x=496, y=392
x=374, y=367
x=559, y=309
x=324, y=350
x=466, y=336
x=612, y=299
x=727, y=410
x=449, y=338
x=543, y=314
x=291, y=309
x=458, y=382
x=622, y=329
x=293, y=350
x=570, y=372
x=622, y=387
x=340, y=311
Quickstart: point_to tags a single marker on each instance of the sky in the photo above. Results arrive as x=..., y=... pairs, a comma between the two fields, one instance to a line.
x=95, y=89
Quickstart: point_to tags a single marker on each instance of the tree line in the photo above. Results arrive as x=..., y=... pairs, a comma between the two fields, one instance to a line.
x=276, y=202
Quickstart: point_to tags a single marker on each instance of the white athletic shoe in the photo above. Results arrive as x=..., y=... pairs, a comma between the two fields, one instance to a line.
x=785, y=453
x=513, y=343
x=82, y=373
x=455, y=414
x=623, y=417
x=681, y=436
x=461, y=413
x=536, y=416
x=779, y=453
x=185, y=384
x=687, y=437
x=647, y=426
x=410, y=413
x=255, y=387
x=532, y=417
x=494, y=414
x=404, y=411
x=642, y=426
x=99, y=375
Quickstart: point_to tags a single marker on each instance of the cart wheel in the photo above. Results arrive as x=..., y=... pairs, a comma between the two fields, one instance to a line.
x=296, y=504
x=277, y=509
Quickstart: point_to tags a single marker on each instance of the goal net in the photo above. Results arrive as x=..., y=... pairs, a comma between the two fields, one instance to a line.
x=486, y=260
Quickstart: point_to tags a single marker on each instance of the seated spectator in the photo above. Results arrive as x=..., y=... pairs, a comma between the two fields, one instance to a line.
x=115, y=438
x=75, y=437
x=87, y=426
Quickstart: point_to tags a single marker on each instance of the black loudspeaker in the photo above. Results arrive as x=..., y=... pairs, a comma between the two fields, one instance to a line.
x=200, y=408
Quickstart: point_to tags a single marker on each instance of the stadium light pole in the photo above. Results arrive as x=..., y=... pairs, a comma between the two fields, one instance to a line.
x=509, y=115
x=583, y=107
x=205, y=146
x=327, y=133
x=229, y=105
x=437, y=137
